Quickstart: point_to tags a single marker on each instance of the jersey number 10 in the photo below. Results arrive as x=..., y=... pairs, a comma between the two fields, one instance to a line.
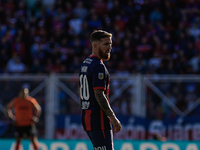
x=84, y=89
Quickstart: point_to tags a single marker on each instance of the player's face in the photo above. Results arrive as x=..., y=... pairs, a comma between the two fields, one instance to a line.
x=24, y=93
x=105, y=47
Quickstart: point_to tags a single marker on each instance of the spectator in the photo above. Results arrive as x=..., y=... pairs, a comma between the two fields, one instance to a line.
x=55, y=38
x=57, y=66
x=18, y=47
x=80, y=10
x=95, y=22
x=58, y=24
x=100, y=7
x=36, y=67
x=194, y=31
x=197, y=44
x=155, y=15
x=15, y=65
x=190, y=97
x=75, y=24
x=140, y=63
x=194, y=62
x=4, y=58
x=37, y=49
x=51, y=45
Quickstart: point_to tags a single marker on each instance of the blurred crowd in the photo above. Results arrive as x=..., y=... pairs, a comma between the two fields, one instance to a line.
x=183, y=95
x=149, y=36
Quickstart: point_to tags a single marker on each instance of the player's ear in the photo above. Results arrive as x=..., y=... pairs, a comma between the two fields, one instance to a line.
x=95, y=45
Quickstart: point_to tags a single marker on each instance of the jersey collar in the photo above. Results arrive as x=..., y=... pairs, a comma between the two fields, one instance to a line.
x=96, y=57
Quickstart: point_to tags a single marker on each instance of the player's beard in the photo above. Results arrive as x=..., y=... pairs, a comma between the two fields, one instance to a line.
x=104, y=55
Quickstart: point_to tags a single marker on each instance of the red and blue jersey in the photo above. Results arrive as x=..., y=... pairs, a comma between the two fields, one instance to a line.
x=93, y=75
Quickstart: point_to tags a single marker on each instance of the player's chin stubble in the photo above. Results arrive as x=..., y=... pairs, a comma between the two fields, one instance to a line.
x=104, y=55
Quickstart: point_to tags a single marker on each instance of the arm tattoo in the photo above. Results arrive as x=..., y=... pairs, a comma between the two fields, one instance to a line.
x=103, y=102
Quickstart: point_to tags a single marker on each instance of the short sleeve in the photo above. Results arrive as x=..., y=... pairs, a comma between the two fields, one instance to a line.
x=99, y=77
x=33, y=101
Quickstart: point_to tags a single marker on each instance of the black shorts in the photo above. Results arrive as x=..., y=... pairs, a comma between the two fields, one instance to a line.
x=101, y=139
x=25, y=131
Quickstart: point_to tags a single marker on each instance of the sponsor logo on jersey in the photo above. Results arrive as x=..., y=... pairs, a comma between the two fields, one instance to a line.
x=100, y=148
x=85, y=105
x=100, y=76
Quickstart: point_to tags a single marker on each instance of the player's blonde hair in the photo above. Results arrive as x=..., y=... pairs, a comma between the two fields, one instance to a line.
x=97, y=35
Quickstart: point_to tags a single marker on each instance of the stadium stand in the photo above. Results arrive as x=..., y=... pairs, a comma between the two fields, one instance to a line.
x=149, y=36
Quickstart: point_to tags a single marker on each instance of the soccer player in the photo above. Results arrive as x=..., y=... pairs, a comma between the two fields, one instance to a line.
x=94, y=82
x=26, y=113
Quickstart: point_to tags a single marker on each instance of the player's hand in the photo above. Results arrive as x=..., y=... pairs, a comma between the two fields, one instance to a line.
x=35, y=119
x=161, y=138
x=12, y=118
x=116, y=124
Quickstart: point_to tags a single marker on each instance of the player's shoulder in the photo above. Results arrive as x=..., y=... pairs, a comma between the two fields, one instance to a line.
x=29, y=98
x=92, y=62
x=92, y=59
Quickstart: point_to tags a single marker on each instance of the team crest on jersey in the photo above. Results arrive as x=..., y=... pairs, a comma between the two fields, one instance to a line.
x=100, y=76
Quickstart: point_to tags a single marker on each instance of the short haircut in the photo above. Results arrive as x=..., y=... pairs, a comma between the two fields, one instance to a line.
x=97, y=35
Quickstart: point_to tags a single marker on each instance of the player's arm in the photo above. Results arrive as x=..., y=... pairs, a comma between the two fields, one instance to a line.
x=9, y=112
x=38, y=111
x=79, y=95
x=105, y=106
x=103, y=102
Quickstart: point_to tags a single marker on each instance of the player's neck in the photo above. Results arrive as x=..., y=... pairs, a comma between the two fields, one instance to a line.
x=24, y=97
x=94, y=54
